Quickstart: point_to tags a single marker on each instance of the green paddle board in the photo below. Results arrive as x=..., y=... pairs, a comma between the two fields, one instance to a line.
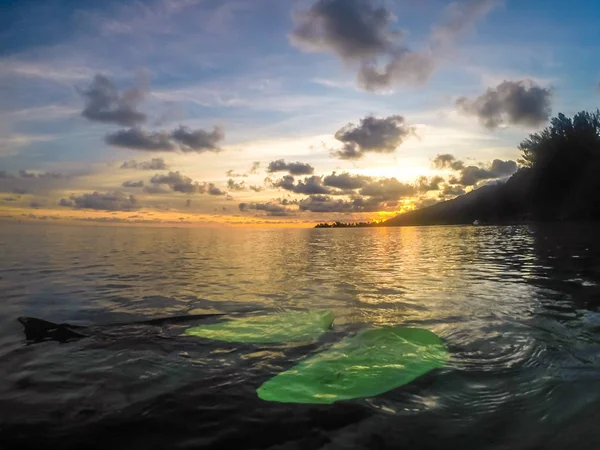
x=289, y=326
x=368, y=364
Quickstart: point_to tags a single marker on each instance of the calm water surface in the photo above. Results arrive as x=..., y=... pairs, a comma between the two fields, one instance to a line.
x=517, y=307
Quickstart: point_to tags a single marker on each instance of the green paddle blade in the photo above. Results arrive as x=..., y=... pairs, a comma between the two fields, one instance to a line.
x=290, y=326
x=368, y=364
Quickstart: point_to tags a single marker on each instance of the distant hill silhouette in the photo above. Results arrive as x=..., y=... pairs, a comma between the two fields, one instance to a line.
x=559, y=180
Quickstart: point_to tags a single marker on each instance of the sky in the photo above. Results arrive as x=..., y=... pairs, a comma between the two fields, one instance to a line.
x=276, y=112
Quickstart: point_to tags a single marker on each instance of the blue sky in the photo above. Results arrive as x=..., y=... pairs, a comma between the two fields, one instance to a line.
x=276, y=93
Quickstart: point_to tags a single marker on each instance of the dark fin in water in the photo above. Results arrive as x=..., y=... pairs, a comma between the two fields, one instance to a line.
x=175, y=319
x=38, y=330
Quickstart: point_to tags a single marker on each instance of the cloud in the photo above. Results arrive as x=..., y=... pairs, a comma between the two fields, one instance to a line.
x=471, y=175
x=104, y=103
x=346, y=181
x=66, y=202
x=372, y=135
x=327, y=204
x=452, y=191
x=153, y=164
x=256, y=188
x=362, y=34
x=271, y=209
x=182, y=139
x=447, y=161
x=198, y=140
x=4, y=174
x=459, y=17
x=254, y=168
x=433, y=184
x=211, y=189
x=405, y=67
x=178, y=183
x=233, y=186
x=138, y=139
x=188, y=203
x=310, y=185
x=253, y=171
x=25, y=174
x=36, y=204
x=111, y=201
x=157, y=189
x=387, y=189
x=133, y=184
x=293, y=168
x=351, y=29
x=522, y=103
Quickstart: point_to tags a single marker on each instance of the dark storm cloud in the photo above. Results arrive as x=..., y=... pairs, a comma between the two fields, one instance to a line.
x=65, y=202
x=361, y=33
x=111, y=201
x=153, y=164
x=433, y=184
x=233, y=186
x=447, y=161
x=271, y=209
x=293, y=168
x=198, y=140
x=387, y=189
x=133, y=184
x=104, y=103
x=510, y=103
x=372, y=135
x=182, y=139
x=345, y=181
x=308, y=186
x=138, y=139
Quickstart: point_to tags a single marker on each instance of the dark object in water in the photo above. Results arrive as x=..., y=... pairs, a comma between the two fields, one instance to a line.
x=38, y=330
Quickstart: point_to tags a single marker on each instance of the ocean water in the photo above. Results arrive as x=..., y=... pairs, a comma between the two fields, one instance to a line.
x=516, y=306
